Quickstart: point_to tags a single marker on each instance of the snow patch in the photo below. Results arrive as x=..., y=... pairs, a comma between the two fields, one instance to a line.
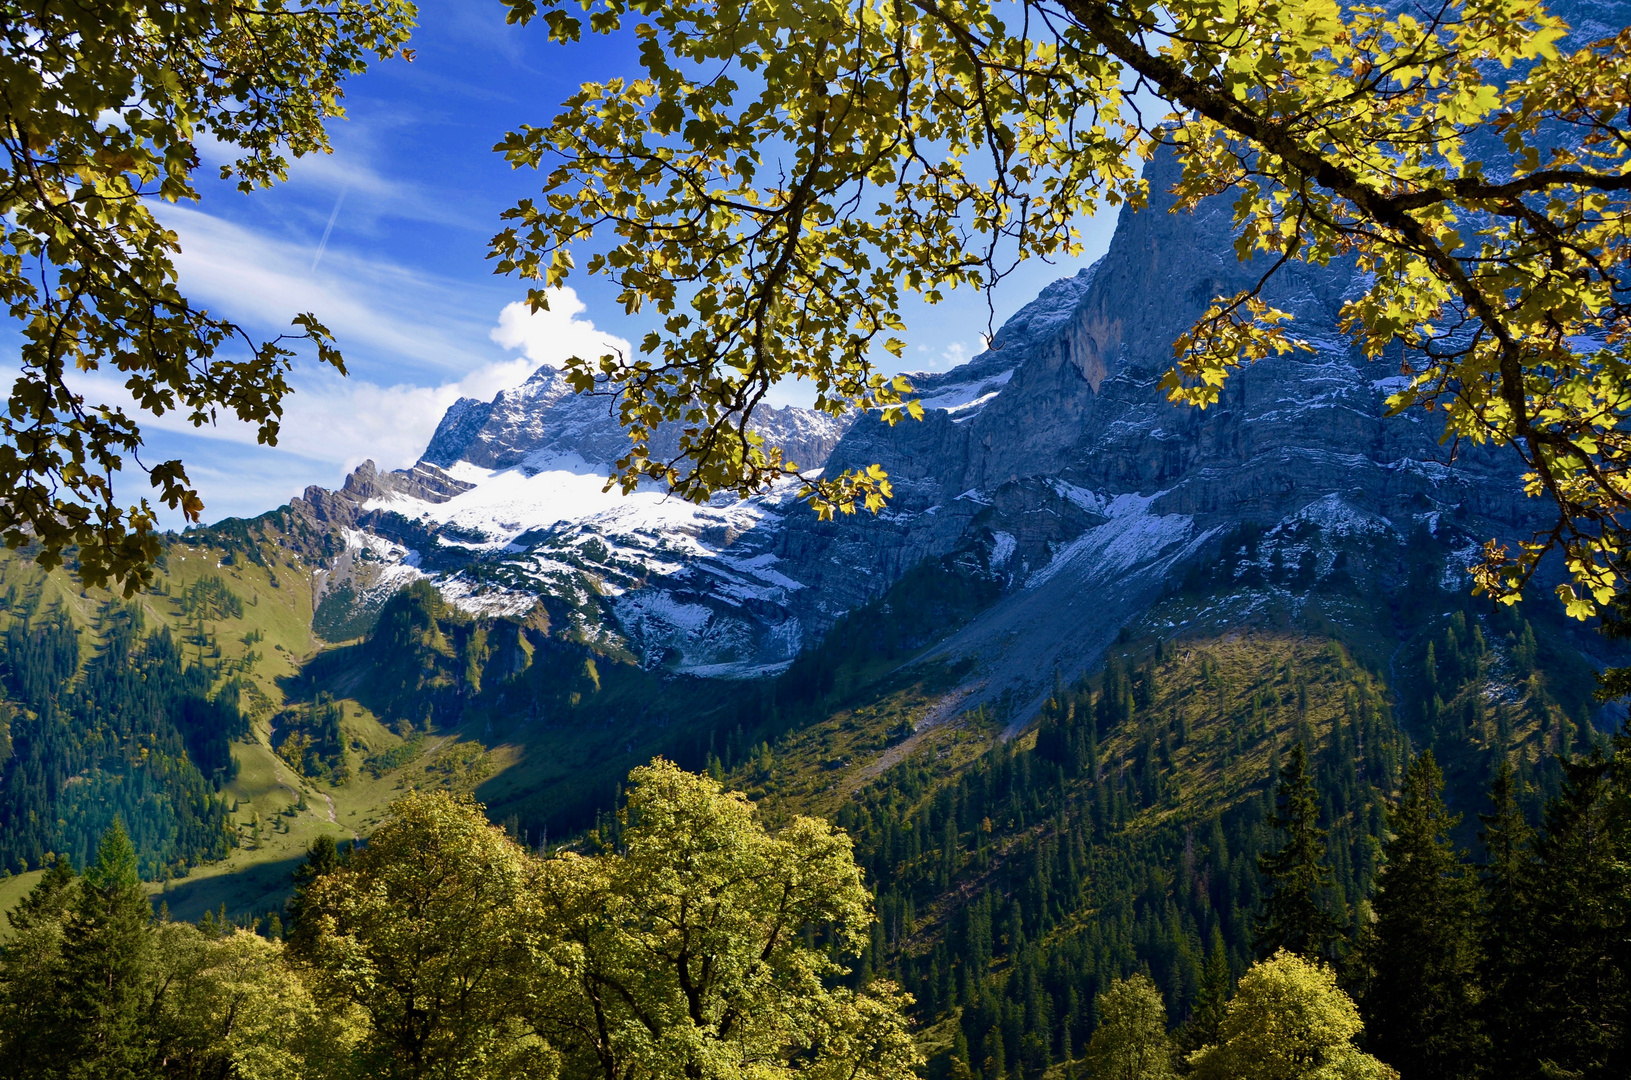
x=968, y=395
x=1458, y=563
x=1080, y=496
x=1337, y=517
x=1131, y=537
x=1002, y=548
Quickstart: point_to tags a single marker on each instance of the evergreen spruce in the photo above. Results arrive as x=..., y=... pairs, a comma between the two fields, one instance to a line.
x=1292, y=917
x=322, y=857
x=1417, y=964
x=996, y=1058
x=1507, y=841
x=1565, y=1004
x=88, y=720
x=29, y=966
x=1205, y=1027
x=106, y=951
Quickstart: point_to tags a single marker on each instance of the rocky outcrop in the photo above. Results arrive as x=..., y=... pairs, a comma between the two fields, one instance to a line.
x=543, y=415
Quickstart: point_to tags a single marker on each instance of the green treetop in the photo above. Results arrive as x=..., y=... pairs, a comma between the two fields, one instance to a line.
x=1130, y=1042
x=29, y=966
x=425, y=930
x=686, y=954
x=1507, y=840
x=1205, y=1024
x=106, y=953
x=1293, y=916
x=1564, y=996
x=699, y=946
x=1289, y=1021
x=1418, y=962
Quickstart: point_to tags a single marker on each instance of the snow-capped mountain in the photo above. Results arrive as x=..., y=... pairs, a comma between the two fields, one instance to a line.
x=508, y=512
x=1051, y=461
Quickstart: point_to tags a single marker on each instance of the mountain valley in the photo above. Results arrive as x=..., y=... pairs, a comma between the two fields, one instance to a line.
x=1046, y=690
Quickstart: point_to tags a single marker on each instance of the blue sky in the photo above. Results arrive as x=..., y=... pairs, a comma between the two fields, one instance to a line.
x=408, y=201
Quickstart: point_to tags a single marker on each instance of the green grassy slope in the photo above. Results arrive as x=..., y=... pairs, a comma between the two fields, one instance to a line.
x=265, y=639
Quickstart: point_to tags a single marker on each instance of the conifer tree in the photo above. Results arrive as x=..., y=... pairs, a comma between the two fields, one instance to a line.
x=106, y=951
x=1294, y=876
x=996, y=1056
x=1417, y=963
x=1206, y=1022
x=1566, y=1003
x=960, y=1069
x=28, y=973
x=322, y=858
x=1507, y=840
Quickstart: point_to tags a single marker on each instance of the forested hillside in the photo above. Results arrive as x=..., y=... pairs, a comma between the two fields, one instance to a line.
x=173, y=713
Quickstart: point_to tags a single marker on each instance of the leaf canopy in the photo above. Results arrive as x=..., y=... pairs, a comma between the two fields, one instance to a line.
x=781, y=173
x=103, y=107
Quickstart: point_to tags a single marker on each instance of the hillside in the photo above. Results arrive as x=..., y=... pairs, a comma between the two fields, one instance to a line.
x=1017, y=877
x=199, y=766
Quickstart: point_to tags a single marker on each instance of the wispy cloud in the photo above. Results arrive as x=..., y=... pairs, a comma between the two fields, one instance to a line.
x=350, y=168
x=374, y=305
x=328, y=229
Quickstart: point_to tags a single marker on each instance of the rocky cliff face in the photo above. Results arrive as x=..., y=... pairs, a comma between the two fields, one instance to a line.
x=1066, y=467
x=1051, y=460
x=507, y=511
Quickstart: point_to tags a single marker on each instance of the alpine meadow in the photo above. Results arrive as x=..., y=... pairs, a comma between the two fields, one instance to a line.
x=688, y=660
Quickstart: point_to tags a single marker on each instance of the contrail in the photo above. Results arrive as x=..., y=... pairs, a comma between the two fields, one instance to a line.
x=323, y=243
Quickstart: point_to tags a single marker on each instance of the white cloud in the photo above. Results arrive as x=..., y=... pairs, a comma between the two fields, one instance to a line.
x=414, y=343
x=552, y=336
x=341, y=422
x=369, y=303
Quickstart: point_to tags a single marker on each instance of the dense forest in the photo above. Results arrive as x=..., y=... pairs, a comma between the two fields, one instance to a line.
x=686, y=933
x=1014, y=897
x=112, y=722
x=1168, y=829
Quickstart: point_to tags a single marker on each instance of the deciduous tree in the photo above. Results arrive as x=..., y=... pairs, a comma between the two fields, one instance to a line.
x=1289, y=1021
x=426, y=931
x=104, y=105
x=1130, y=1042
x=230, y=1006
x=686, y=954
